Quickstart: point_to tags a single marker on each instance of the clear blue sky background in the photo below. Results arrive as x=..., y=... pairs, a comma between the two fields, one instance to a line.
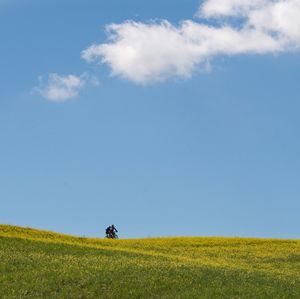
x=217, y=154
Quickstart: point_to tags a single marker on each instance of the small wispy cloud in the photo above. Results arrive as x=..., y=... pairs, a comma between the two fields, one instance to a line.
x=218, y=8
x=58, y=88
x=61, y=88
x=155, y=51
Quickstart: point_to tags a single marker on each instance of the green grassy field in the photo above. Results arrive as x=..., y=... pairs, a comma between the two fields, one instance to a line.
x=41, y=264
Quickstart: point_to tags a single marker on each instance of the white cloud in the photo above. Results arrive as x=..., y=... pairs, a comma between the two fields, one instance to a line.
x=281, y=17
x=58, y=88
x=146, y=52
x=150, y=52
x=218, y=8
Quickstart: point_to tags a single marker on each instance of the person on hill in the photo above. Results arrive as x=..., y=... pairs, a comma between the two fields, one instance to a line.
x=111, y=231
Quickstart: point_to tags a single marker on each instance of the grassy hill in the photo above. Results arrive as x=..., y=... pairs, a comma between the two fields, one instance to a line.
x=41, y=264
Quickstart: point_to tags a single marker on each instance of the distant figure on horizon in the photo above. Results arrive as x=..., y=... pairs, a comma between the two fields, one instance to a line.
x=111, y=232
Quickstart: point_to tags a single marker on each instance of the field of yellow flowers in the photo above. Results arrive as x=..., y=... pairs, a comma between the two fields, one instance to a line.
x=42, y=264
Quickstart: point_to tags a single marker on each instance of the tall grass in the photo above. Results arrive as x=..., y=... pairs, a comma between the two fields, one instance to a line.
x=41, y=264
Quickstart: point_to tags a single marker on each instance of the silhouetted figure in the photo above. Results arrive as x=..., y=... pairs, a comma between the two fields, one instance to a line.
x=111, y=232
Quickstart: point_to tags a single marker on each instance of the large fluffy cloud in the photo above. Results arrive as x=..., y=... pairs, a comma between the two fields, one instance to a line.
x=149, y=52
x=144, y=52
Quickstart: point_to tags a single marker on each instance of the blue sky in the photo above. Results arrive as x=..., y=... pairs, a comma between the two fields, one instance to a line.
x=202, y=144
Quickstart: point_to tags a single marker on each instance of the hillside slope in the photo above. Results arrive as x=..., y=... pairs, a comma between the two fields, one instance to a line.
x=41, y=264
